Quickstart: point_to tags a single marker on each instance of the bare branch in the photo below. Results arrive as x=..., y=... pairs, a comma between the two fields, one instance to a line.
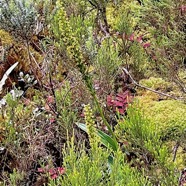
x=152, y=90
x=175, y=151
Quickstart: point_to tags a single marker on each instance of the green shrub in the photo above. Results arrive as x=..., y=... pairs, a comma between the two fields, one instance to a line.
x=92, y=169
x=144, y=144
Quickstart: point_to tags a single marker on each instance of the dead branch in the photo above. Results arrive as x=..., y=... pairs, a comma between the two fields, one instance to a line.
x=175, y=151
x=152, y=90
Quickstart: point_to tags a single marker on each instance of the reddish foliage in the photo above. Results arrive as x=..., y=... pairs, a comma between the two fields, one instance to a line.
x=146, y=45
x=61, y=170
x=41, y=170
x=183, y=9
x=131, y=38
x=139, y=39
x=50, y=99
x=119, y=102
x=53, y=172
x=52, y=120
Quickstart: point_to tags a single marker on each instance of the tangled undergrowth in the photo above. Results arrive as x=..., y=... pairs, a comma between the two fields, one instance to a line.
x=92, y=92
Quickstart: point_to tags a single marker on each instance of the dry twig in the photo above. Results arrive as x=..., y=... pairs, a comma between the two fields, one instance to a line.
x=152, y=90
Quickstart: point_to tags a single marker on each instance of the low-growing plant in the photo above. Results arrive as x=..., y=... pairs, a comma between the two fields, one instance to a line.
x=18, y=18
x=16, y=177
x=106, y=66
x=92, y=168
x=145, y=146
x=97, y=136
x=120, y=102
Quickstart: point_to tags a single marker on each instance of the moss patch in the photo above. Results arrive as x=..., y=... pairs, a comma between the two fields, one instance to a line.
x=156, y=83
x=6, y=39
x=169, y=116
x=164, y=113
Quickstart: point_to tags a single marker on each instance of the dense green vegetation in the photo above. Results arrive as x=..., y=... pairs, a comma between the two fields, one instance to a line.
x=92, y=92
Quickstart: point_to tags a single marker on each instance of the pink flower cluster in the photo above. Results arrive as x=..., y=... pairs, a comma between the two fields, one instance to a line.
x=53, y=172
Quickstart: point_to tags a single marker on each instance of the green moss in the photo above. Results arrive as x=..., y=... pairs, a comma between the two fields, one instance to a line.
x=6, y=39
x=156, y=83
x=168, y=115
x=168, y=112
